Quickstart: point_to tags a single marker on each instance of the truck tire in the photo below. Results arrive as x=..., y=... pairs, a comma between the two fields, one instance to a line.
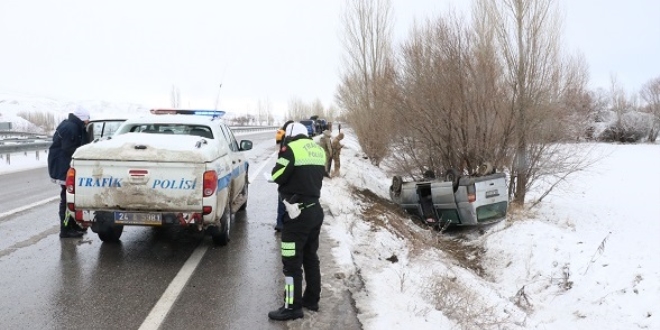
x=110, y=233
x=485, y=169
x=220, y=234
x=396, y=185
x=245, y=194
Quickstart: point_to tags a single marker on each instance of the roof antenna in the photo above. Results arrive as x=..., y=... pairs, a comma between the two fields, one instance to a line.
x=217, y=97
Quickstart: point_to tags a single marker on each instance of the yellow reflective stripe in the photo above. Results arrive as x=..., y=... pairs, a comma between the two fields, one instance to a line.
x=309, y=161
x=283, y=161
x=288, y=291
x=67, y=215
x=288, y=249
x=278, y=173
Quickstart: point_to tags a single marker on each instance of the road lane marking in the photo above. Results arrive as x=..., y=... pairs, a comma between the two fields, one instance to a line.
x=164, y=304
x=29, y=206
x=158, y=313
x=261, y=167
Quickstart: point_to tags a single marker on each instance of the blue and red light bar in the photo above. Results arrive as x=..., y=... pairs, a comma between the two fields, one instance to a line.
x=210, y=113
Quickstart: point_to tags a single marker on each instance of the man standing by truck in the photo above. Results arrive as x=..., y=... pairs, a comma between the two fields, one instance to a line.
x=69, y=135
x=299, y=174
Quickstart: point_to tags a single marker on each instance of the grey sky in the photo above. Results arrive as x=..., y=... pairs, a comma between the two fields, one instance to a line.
x=261, y=50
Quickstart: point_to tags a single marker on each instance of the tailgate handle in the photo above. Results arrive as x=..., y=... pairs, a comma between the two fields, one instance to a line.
x=140, y=147
x=138, y=176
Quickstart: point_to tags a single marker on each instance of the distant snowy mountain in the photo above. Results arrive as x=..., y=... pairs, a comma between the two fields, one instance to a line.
x=13, y=104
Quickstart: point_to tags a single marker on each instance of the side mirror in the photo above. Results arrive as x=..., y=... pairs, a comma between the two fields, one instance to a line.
x=245, y=145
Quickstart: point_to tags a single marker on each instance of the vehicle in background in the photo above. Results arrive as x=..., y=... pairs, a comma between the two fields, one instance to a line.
x=320, y=125
x=103, y=128
x=455, y=200
x=309, y=123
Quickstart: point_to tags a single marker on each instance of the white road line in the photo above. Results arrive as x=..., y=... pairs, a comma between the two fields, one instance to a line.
x=158, y=313
x=164, y=304
x=261, y=167
x=29, y=206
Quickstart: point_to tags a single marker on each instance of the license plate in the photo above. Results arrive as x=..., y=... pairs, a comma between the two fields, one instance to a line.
x=138, y=218
x=492, y=193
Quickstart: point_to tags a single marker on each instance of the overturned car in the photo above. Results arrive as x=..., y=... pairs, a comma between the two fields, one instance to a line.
x=454, y=199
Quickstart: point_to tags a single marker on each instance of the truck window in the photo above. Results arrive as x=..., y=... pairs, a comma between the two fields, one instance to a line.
x=229, y=136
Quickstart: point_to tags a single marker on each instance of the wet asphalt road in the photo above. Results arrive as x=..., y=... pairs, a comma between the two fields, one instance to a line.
x=52, y=283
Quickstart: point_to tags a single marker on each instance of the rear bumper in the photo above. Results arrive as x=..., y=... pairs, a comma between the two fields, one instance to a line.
x=89, y=217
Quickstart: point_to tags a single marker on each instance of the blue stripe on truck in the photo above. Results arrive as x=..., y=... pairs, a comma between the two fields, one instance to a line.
x=224, y=181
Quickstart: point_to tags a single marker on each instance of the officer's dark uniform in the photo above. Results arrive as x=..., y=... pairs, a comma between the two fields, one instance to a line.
x=299, y=173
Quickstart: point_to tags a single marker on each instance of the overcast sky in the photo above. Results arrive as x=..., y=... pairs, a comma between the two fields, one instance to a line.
x=260, y=50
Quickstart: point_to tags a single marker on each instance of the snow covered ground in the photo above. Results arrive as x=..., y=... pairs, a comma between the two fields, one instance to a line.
x=586, y=258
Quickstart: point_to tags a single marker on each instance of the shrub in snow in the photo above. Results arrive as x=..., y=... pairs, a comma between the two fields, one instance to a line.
x=630, y=126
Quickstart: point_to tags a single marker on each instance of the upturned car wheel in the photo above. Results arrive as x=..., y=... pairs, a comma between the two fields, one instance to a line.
x=485, y=169
x=396, y=185
x=452, y=175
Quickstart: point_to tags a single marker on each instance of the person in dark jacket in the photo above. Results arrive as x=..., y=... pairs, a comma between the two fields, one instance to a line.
x=69, y=135
x=299, y=174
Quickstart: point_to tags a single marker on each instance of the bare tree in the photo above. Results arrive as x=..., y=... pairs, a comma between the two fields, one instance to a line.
x=368, y=75
x=175, y=97
x=298, y=110
x=39, y=120
x=264, y=113
x=650, y=94
x=537, y=78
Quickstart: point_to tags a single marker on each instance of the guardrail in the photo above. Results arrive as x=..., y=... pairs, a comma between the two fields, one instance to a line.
x=43, y=145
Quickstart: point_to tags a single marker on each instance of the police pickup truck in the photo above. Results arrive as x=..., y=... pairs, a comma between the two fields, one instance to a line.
x=168, y=168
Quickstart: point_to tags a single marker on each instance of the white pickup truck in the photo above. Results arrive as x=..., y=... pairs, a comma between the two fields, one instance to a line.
x=175, y=167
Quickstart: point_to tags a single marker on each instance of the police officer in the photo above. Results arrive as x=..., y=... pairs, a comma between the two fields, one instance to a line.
x=69, y=135
x=299, y=174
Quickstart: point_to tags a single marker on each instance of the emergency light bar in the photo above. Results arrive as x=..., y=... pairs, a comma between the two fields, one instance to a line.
x=211, y=113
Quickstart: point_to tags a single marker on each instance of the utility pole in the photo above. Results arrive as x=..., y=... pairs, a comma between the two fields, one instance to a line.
x=217, y=97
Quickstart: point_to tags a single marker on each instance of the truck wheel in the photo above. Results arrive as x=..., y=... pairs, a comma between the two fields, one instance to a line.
x=396, y=185
x=245, y=194
x=111, y=233
x=485, y=169
x=219, y=235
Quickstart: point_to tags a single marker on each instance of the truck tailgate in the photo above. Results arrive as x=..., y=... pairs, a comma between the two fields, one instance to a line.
x=138, y=185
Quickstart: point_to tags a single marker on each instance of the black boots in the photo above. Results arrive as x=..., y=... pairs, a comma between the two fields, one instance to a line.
x=70, y=233
x=285, y=314
x=312, y=307
x=71, y=230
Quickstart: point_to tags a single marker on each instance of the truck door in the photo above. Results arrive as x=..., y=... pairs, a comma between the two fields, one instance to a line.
x=237, y=162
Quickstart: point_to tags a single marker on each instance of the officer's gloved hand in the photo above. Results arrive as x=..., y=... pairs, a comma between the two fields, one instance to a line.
x=292, y=209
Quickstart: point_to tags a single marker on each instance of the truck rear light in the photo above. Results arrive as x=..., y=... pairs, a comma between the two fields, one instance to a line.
x=471, y=193
x=210, y=183
x=79, y=215
x=207, y=210
x=70, y=181
x=71, y=207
